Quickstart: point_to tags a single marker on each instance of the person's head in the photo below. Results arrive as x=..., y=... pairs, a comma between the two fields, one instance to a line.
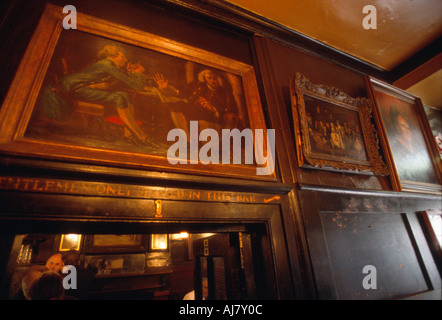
x=71, y=258
x=55, y=263
x=209, y=77
x=114, y=53
x=31, y=275
x=135, y=67
x=404, y=128
x=49, y=286
x=401, y=125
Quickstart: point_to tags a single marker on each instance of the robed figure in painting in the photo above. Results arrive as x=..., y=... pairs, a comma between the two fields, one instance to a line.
x=113, y=81
x=92, y=84
x=207, y=100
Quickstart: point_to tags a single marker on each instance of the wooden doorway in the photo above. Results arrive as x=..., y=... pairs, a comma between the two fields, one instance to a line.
x=260, y=224
x=224, y=267
x=233, y=263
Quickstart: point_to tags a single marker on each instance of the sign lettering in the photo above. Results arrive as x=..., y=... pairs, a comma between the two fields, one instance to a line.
x=57, y=186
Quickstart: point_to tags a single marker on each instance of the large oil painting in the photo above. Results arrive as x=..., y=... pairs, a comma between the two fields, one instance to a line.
x=106, y=93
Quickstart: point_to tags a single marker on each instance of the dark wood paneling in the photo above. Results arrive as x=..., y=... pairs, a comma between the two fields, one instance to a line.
x=278, y=64
x=311, y=254
x=355, y=240
x=9, y=249
x=348, y=230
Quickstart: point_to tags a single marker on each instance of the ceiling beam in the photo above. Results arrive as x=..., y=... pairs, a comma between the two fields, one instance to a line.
x=420, y=73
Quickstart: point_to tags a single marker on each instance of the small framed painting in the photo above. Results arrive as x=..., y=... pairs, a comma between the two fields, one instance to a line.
x=335, y=131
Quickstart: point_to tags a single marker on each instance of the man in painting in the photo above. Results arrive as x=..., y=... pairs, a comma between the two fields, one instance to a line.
x=406, y=159
x=411, y=156
x=92, y=84
x=401, y=128
x=208, y=100
x=336, y=138
x=341, y=134
x=215, y=98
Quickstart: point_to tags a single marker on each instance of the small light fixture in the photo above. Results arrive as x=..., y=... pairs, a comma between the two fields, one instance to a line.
x=184, y=235
x=70, y=241
x=179, y=236
x=159, y=242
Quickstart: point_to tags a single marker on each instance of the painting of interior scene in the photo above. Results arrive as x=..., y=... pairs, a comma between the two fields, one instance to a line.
x=101, y=93
x=407, y=143
x=333, y=130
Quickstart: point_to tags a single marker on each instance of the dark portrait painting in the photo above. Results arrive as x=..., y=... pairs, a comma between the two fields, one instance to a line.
x=407, y=142
x=102, y=93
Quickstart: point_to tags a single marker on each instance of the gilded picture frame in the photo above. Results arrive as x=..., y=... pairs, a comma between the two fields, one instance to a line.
x=61, y=107
x=70, y=242
x=333, y=130
x=405, y=134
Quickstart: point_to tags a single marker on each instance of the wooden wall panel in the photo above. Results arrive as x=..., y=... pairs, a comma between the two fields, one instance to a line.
x=327, y=226
x=278, y=64
x=347, y=231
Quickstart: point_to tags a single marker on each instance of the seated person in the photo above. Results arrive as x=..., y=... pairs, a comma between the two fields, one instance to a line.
x=49, y=286
x=30, y=276
x=85, y=276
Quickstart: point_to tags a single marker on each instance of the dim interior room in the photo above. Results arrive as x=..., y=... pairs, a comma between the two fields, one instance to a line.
x=343, y=103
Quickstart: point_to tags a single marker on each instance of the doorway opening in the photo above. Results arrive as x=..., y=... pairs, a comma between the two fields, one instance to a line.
x=164, y=262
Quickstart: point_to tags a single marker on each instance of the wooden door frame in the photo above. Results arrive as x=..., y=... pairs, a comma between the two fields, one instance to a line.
x=53, y=213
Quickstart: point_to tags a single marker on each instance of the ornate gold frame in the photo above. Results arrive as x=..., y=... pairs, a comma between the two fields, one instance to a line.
x=300, y=88
x=16, y=111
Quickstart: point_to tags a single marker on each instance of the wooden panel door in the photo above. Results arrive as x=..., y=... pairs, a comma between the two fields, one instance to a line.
x=224, y=267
